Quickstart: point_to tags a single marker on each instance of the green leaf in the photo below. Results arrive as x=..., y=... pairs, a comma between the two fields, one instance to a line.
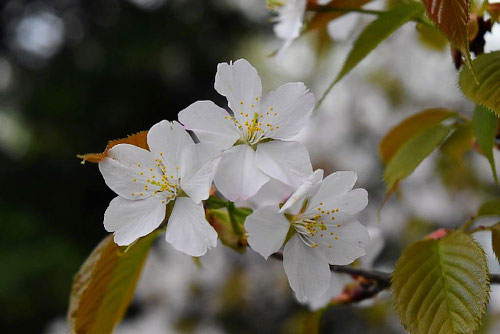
x=452, y=18
x=409, y=128
x=378, y=31
x=441, y=286
x=492, y=207
x=105, y=284
x=487, y=92
x=214, y=202
x=485, y=128
x=459, y=142
x=430, y=37
x=413, y=152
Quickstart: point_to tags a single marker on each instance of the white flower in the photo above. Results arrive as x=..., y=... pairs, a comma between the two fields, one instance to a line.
x=289, y=21
x=273, y=192
x=338, y=281
x=318, y=221
x=252, y=136
x=175, y=168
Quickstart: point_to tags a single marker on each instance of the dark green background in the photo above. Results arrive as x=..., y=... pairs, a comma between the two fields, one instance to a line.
x=51, y=207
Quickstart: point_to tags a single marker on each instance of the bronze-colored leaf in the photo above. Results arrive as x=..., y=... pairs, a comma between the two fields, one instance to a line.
x=105, y=284
x=321, y=19
x=452, y=18
x=137, y=139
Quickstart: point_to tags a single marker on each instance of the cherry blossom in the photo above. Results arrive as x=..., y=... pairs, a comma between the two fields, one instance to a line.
x=253, y=136
x=175, y=170
x=317, y=227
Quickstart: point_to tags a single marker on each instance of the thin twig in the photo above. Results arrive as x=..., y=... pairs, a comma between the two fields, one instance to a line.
x=382, y=277
x=322, y=9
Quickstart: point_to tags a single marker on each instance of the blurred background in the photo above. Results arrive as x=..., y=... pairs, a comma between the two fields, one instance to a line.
x=75, y=74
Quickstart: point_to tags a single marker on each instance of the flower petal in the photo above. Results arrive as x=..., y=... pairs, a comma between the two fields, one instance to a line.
x=373, y=248
x=240, y=84
x=287, y=162
x=337, y=284
x=287, y=110
x=126, y=170
x=273, y=192
x=197, y=169
x=346, y=244
x=188, y=231
x=290, y=18
x=307, y=269
x=306, y=189
x=130, y=220
x=166, y=141
x=333, y=187
x=352, y=202
x=267, y=229
x=238, y=177
x=210, y=123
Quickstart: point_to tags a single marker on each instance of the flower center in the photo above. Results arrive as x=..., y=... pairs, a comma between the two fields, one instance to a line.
x=316, y=228
x=158, y=182
x=168, y=184
x=255, y=126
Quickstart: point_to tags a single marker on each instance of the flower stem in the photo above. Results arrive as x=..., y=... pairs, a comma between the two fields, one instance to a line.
x=231, y=209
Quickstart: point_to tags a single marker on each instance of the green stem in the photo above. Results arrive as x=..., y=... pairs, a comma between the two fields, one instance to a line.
x=467, y=224
x=234, y=223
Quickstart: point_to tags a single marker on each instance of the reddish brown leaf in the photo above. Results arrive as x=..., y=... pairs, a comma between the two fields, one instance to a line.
x=494, y=11
x=321, y=19
x=452, y=18
x=137, y=139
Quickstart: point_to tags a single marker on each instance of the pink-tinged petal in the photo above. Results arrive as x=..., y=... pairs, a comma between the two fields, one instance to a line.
x=238, y=176
x=307, y=269
x=188, y=231
x=197, y=169
x=287, y=162
x=210, y=123
x=267, y=229
x=130, y=220
x=240, y=83
x=286, y=110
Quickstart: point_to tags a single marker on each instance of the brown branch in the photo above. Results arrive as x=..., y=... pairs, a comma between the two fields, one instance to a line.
x=383, y=279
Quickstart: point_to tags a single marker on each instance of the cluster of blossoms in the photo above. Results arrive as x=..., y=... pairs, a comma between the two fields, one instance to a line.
x=247, y=154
